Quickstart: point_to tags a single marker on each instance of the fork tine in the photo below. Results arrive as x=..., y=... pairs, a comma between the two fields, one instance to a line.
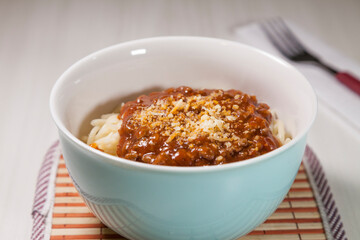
x=277, y=28
x=273, y=39
x=290, y=35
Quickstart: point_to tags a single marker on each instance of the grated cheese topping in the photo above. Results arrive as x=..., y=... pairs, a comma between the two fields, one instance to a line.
x=186, y=118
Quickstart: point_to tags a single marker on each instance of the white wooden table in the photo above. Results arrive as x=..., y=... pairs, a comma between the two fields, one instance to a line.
x=40, y=39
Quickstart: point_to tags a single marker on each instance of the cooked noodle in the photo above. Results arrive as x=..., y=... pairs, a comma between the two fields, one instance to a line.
x=104, y=134
x=277, y=128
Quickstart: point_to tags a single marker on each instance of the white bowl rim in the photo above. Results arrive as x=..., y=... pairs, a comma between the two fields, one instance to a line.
x=174, y=169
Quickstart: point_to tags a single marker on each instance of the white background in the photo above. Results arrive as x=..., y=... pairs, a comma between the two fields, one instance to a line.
x=40, y=39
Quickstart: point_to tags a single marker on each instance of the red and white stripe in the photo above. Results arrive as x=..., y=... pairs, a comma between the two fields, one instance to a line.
x=39, y=213
x=327, y=200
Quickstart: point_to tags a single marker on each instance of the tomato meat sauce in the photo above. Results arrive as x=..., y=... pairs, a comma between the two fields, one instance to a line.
x=188, y=127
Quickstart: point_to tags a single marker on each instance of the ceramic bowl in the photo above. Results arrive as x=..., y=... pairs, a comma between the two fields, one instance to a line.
x=143, y=201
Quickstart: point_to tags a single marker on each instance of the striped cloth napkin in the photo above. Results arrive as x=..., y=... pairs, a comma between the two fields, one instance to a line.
x=44, y=194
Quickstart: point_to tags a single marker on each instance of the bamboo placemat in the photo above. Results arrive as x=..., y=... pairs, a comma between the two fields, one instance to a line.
x=297, y=218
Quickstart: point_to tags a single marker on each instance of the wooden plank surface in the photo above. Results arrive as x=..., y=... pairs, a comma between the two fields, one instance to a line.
x=41, y=38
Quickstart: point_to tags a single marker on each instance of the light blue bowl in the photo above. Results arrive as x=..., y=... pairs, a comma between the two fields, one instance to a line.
x=142, y=201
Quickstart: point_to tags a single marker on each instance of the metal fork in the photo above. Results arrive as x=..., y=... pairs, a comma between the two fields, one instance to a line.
x=290, y=47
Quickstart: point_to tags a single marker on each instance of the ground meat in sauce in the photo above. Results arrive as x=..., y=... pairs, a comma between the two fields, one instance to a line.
x=189, y=127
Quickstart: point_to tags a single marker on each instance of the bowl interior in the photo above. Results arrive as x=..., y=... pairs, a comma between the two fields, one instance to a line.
x=98, y=83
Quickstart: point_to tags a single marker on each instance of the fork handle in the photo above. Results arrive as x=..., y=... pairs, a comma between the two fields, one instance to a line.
x=349, y=80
